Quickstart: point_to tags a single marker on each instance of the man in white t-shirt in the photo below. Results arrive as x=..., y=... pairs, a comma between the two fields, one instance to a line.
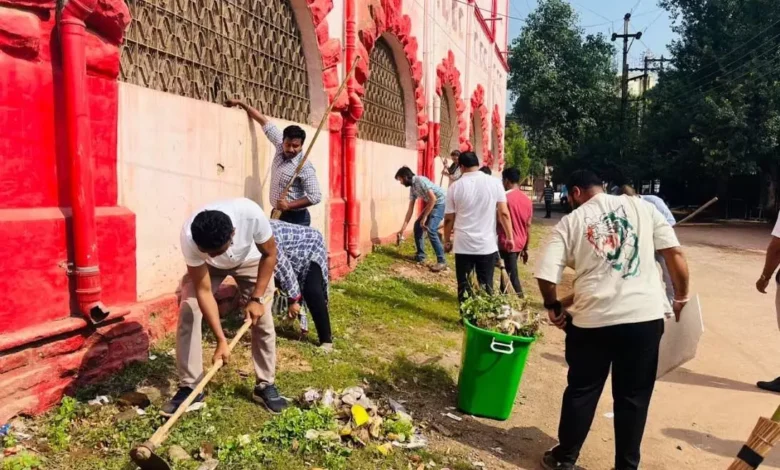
x=227, y=238
x=471, y=208
x=771, y=262
x=615, y=318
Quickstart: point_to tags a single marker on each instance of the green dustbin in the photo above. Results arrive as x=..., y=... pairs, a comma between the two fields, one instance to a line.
x=490, y=373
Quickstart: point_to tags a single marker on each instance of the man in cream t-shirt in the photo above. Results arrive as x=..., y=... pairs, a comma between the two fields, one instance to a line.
x=615, y=319
x=227, y=238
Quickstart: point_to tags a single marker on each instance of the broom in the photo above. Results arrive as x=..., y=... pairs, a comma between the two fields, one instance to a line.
x=276, y=213
x=764, y=436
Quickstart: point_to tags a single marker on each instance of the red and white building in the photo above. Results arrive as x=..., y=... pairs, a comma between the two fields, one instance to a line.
x=112, y=132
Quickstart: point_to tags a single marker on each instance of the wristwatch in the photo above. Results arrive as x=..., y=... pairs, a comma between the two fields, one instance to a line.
x=261, y=300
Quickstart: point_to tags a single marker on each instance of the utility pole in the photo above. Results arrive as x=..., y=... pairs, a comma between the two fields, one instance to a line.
x=624, y=81
x=645, y=77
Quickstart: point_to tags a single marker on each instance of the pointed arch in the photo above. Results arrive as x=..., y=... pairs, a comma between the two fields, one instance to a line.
x=479, y=126
x=448, y=80
x=388, y=22
x=498, y=132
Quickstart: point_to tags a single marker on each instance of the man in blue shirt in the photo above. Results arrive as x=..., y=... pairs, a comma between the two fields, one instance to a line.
x=431, y=217
x=664, y=210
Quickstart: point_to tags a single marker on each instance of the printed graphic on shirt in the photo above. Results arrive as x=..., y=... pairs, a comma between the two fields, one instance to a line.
x=616, y=241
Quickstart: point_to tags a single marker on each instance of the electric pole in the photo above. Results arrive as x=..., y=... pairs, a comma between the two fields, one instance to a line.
x=645, y=77
x=624, y=81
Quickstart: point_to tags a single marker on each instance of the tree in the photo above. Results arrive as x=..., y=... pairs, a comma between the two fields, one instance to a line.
x=716, y=114
x=564, y=84
x=516, y=149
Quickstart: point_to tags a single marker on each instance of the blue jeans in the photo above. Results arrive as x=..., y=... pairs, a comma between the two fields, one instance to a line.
x=434, y=220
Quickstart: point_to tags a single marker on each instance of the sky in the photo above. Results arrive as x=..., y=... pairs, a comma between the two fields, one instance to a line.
x=606, y=16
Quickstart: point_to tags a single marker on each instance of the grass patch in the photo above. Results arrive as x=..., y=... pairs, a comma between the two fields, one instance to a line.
x=391, y=320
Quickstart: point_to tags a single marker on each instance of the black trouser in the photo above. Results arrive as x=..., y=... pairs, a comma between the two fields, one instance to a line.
x=548, y=208
x=315, y=298
x=484, y=265
x=510, y=262
x=632, y=351
x=299, y=217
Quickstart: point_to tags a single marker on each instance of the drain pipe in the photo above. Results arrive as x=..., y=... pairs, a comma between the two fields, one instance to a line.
x=354, y=113
x=77, y=130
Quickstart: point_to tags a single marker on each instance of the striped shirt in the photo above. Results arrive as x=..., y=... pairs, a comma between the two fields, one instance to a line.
x=283, y=169
x=420, y=187
x=297, y=247
x=549, y=194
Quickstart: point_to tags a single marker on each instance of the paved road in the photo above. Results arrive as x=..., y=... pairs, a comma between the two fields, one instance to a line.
x=702, y=413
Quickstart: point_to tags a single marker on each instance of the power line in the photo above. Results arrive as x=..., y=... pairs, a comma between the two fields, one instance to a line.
x=694, y=83
x=690, y=99
x=491, y=12
x=635, y=6
x=691, y=87
x=652, y=22
x=514, y=7
x=595, y=12
x=715, y=62
x=645, y=13
x=598, y=24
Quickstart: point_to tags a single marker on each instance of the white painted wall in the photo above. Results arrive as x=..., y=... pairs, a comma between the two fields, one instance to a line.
x=170, y=146
x=169, y=151
x=383, y=200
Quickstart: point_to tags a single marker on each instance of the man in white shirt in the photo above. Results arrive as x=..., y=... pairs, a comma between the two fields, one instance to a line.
x=771, y=262
x=227, y=238
x=471, y=208
x=615, y=318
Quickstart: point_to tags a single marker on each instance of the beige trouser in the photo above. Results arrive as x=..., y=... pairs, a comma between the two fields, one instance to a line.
x=189, y=347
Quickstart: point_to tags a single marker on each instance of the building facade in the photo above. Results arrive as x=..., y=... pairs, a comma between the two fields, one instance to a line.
x=114, y=132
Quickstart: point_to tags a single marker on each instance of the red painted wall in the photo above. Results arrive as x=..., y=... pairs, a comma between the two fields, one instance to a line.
x=45, y=350
x=35, y=248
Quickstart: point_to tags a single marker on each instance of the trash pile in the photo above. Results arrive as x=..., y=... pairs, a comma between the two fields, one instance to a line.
x=496, y=312
x=361, y=420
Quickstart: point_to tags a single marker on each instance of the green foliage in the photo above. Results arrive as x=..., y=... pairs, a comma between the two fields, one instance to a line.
x=293, y=423
x=22, y=461
x=564, y=83
x=716, y=112
x=59, y=435
x=482, y=309
x=10, y=441
x=288, y=431
x=398, y=426
x=519, y=153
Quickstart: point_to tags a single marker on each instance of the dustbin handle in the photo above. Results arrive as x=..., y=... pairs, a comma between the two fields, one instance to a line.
x=502, y=348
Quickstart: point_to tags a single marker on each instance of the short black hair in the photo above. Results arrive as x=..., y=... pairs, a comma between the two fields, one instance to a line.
x=404, y=172
x=468, y=160
x=583, y=179
x=486, y=170
x=211, y=230
x=294, y=132
x=455, y=153
x=511, y=174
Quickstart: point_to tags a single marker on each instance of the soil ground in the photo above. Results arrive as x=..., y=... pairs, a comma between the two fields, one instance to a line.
x=701, y=413
x=397, y=333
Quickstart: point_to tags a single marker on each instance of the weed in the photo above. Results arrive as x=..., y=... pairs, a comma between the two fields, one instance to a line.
x=59, y=435
x=289, y=431
x=10, y=441
x=22, y=461
x=398, y=426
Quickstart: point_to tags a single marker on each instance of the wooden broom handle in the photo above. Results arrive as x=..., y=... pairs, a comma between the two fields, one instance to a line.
x=325, y=118
x=159, y=436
